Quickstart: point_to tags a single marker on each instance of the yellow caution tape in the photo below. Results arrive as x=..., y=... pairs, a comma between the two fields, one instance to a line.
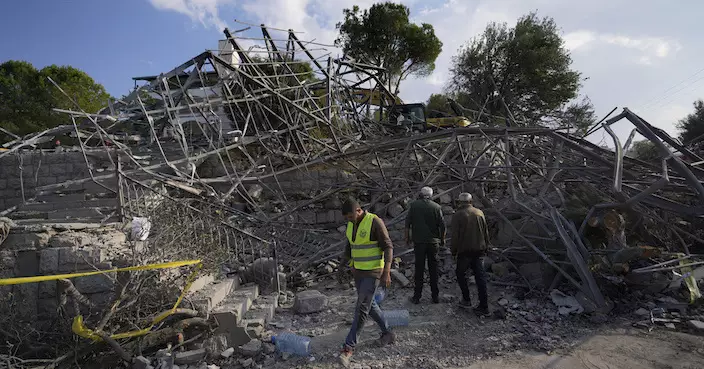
x=80, y=329
x=44, y=278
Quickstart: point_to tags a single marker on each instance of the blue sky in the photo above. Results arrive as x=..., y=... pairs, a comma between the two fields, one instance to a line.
x=644, y=54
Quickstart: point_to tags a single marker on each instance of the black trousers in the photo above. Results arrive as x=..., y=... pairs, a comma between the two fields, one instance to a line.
x=474, y=261
x=426, y=251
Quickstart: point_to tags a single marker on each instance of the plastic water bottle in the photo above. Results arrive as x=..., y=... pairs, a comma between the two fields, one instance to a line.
x=396, y=318
x=292, y=343
x=380, y=295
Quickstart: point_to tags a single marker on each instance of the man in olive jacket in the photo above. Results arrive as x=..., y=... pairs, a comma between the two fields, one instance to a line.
x=425, y=227
x=470, y=241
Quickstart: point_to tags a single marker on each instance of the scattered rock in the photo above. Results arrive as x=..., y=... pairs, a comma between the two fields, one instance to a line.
x=447, y=298
x=588, y=305
x=670, y=325
x=400, y=278
x=141, y=362
x=311, y=301
x=255, y=191
x=215, y=345
x=251, y=349
x=697, y=325
x=503, y=302
x=642, y=312
x=227, y=353
x=246, y=362
x=269, y=348
x=500, y=269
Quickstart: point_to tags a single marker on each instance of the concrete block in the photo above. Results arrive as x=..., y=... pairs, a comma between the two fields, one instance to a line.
x=220, y=291
x=47, y=289
x=94, y=284
x=76, y=255
x=200, y=283
x=311, y=301
x=400, y=278
x=251, y=292
x=49, y=261
x=189, y=357
x=47, y=308
x=263, y=312
x=27, y=263
x=20, y=239
x=58, y=169
x=232, y=310
x=76, y=213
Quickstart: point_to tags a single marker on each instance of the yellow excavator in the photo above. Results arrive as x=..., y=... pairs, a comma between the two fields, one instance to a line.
x=413, y=117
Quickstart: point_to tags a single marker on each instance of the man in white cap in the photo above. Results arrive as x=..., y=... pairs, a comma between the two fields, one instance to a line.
x=470, y=242
x=425, y=227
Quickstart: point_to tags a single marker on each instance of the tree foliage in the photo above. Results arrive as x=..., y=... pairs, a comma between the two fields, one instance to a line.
x=439, y=102
x=383, y=35
x=525, y=68
x=27, y=97
x=644, y=150
x=692, y=126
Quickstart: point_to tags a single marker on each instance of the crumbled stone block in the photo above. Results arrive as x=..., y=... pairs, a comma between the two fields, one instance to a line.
x=251, y=349
x=311, y=301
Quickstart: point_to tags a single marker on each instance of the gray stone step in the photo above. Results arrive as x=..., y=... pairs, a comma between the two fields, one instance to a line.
x=213, y=294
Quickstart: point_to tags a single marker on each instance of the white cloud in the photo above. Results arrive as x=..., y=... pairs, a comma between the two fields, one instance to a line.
x=649, y=47
x=579, y=39
x=205, y=12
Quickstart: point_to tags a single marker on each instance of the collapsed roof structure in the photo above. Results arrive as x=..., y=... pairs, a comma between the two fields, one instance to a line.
x=245, y=137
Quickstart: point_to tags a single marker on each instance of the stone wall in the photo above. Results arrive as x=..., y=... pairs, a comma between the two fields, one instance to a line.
x=31, y=251
x=34, y=169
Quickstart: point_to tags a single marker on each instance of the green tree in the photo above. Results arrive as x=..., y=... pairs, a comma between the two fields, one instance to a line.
x=81, y=87
x=383, y=35
x=692, y=126
x=580, y=115
x=439, y=102
x=525, y=68
x=644, y=150
x=24, y=99
x=27, y=97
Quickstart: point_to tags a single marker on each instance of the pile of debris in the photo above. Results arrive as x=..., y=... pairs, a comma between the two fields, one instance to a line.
x=241, y=158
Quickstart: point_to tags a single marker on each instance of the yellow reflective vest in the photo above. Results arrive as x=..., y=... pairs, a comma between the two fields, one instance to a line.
x=366, y=254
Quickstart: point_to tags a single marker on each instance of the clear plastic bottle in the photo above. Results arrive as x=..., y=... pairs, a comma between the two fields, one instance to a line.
x=396, y=318
x=292, y=343
x=380, y=295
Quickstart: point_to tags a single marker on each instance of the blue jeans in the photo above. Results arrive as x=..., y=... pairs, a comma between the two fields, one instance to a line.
x=366, y=306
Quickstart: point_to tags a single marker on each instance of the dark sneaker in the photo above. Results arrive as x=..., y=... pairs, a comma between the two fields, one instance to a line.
x=465, y=304
x=481, y=311
x=345, y=357
x=415, y=300
x=436, y=300
x=387, y=338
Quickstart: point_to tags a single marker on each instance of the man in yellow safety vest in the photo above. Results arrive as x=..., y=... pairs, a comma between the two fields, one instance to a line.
x=368, y=253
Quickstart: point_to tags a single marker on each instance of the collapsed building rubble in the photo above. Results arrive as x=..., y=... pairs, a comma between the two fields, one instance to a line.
x=241, y=158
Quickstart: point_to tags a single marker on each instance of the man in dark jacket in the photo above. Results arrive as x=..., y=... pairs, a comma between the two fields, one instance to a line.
x=470, y=241
x=426, y=225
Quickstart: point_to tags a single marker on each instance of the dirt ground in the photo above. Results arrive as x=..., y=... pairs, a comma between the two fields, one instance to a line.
x=532, y=335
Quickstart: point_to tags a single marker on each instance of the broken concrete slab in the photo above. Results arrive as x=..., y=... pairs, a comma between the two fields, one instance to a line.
x=141, y=362
x=311, y=301
x=251, y=348
x=400, y=278
x=189, y=357
x=697, y=325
